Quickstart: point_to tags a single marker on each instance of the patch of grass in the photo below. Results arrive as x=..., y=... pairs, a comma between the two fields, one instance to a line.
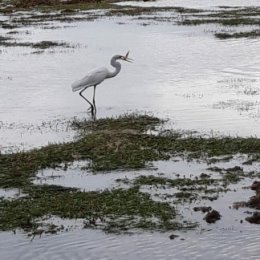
x=224, y=22
x=48, y=44
x=250, y=34
x=129, y=123
x=7, y=42
x=4, y=39
x=188, y=189
x=180, y=182
x=232, y=177
x=111, y=144
x=114, y=210
x=226, y=17
x=137, y=11
x=121, y=143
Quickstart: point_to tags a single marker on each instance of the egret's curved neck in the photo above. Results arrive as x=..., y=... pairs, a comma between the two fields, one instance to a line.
x=116, y=65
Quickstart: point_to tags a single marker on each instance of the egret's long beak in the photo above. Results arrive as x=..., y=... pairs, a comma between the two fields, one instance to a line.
x=126, y=58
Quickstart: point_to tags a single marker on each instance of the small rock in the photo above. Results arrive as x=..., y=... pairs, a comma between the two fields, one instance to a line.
x=254, y=219
x=235, y=169
x=255, y=186
x=215, y=169
x=202, y=209
x=204, y=176
x=212, y=216
x=248, y=212
x=239, y=204
x=213, y=198
x=254, y=201
x=173, y=236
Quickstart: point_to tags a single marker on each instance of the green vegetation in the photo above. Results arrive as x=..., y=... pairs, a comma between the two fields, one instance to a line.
x=8, y=42
x=248, y=16
x=129, y=142
x=230, y=17
x=116, y=210
x=250, y=34
x=115, y=144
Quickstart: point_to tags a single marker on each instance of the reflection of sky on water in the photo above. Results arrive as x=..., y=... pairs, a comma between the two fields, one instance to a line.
x=179, y=72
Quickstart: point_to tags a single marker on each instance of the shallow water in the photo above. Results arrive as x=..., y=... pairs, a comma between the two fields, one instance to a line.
x=10, y=193
x=181, y=73
x=226, y=239
x=77, y=176
x=173, y=77
x=90, y=244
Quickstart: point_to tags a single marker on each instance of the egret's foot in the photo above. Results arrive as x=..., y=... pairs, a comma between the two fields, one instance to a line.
x=94, y=115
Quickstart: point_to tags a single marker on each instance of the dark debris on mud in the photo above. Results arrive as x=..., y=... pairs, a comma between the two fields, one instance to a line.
x=212, y=216
x=253, y=203
x=254, y=219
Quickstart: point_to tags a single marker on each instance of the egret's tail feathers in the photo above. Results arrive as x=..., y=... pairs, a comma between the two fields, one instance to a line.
x=77, y=85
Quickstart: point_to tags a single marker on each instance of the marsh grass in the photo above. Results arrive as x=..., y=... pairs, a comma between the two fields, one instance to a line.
x=55, y=10
x=108, y=208
x=121, y=143
x=11, y=42
x=249, y=34
x=117, y=144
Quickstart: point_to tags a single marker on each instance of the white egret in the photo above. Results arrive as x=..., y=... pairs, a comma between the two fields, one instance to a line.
x=95, y=77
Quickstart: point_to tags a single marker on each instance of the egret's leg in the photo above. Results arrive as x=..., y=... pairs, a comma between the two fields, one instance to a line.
x=94, y=115
x=80, y=93
x=94, y=102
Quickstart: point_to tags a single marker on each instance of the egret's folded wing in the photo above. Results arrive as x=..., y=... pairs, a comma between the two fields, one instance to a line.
x=93, y=78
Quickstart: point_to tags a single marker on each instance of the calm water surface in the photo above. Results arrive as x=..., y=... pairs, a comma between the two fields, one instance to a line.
x=181, y=73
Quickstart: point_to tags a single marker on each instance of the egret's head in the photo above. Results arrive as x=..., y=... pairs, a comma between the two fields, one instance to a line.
x=126, y=58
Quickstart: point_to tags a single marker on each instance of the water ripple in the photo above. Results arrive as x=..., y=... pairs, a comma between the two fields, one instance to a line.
x=89, y=244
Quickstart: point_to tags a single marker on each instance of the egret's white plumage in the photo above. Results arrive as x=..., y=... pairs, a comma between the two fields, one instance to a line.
x=95, y=77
